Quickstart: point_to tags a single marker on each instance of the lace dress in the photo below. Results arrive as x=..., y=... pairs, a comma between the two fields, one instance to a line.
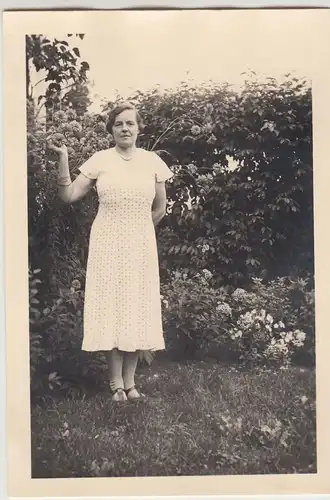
x=122, y=296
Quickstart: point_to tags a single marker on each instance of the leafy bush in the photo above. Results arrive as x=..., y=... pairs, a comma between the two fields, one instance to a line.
x=256, y=219
x=262, y=325
x=238, y=224
x=55, y=325
x=190, y=312
x=34, y=316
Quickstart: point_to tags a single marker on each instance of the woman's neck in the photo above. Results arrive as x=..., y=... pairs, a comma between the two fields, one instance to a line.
x=126, y=152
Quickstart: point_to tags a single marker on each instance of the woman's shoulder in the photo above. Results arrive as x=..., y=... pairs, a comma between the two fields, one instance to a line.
x=100, y=159
x=106, y=152
x=143, y=151
x=101, y=153
x=150, y=155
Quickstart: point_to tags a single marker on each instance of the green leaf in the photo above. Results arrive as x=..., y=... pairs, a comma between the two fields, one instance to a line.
x=85, y=66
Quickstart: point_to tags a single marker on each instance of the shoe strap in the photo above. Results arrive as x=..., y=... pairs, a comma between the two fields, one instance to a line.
x=119, y=389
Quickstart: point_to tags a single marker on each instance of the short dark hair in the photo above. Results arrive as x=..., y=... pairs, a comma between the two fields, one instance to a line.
x=119, y=108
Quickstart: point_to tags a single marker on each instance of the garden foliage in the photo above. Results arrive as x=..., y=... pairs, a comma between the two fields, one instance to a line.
x=236, y=247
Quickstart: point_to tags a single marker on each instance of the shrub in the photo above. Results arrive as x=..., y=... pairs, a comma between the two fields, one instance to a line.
x=236, y=224
x=262, y=325
x=191, y=314
x=36, y=351
x=55, y=326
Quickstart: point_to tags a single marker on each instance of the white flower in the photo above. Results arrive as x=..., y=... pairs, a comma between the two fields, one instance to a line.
x=195, y=130
x=239, y=294
x=234, y=334
x=192, y=168
x=304, y=399
x=300, y=336
x=276, y=325
x=281, y=324
x=76, y=284
x=205, y=248
x=289, y=337
x=245, y=321
x=268, y=328
x=269, y=318
x=224, y=308
x=207, y=274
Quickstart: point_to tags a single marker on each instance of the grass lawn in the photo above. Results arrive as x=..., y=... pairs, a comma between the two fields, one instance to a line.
x=197, y=418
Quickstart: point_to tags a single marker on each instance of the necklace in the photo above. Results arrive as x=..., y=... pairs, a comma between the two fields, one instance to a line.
x=125, y=157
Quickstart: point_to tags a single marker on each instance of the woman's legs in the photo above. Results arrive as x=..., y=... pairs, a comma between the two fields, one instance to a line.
x=115, y=370
x=121, y=368
x=129, y=368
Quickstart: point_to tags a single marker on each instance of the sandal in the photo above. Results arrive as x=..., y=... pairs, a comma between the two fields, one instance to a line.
x=132, y=393
x=119, y=395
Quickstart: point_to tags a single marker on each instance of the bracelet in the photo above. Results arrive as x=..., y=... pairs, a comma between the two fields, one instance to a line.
x=60, y=184
x=66, y=179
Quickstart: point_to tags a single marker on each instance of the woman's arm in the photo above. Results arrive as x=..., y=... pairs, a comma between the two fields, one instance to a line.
x=69, y=191
x=159, y=203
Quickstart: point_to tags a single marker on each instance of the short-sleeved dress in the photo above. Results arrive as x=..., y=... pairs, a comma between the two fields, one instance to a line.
x=122, y=295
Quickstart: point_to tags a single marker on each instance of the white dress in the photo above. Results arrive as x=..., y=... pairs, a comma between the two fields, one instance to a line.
x=122, y=296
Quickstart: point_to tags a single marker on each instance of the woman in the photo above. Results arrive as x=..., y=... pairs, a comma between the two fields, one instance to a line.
x=122, y=311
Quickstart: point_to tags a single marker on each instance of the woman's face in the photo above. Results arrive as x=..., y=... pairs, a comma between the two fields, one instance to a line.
x=125, y=129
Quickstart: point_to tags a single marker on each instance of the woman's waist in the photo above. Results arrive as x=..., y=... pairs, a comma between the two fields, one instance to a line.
x=114, y=215
x=107, y=220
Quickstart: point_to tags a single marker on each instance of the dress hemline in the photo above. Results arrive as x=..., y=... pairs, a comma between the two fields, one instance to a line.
x=120, y=348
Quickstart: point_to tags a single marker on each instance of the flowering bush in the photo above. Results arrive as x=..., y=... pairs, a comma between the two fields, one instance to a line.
x=259, y=326
x=260, y=339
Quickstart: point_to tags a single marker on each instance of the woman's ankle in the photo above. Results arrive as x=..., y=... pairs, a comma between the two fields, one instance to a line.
x=116, y=384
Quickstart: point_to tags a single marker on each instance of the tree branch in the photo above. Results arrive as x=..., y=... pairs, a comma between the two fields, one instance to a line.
x=39, y=109
x=42, y=80
x=165, y=132
x=171, y=126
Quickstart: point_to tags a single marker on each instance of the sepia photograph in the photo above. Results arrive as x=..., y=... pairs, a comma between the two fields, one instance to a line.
x=171, y=264
x=170, y=222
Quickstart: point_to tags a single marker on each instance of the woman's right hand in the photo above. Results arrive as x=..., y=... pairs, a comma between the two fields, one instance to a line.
x=62, y=150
